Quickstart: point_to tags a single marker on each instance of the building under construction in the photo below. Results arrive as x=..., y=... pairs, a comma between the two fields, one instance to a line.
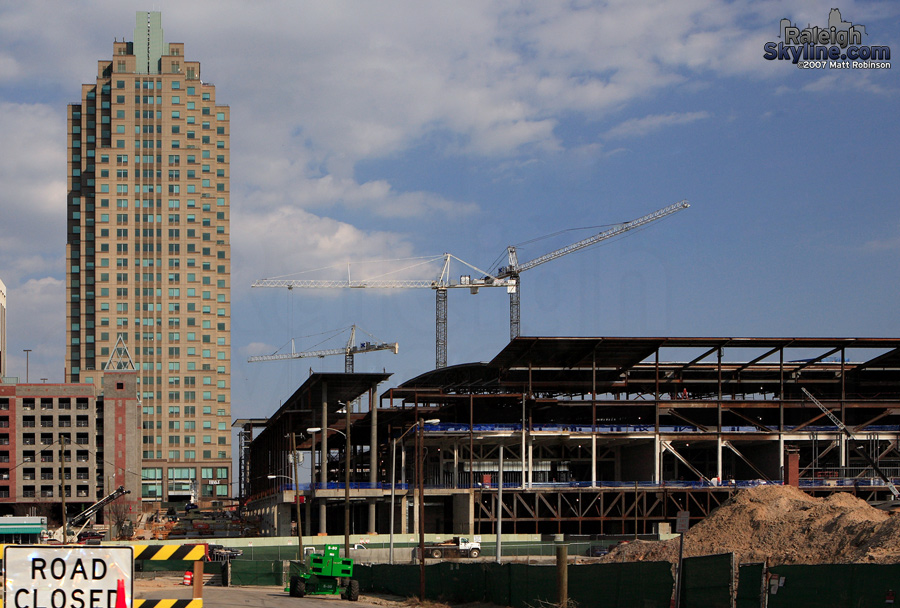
x=581, y=435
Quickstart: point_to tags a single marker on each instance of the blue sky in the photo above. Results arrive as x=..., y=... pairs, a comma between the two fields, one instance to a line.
x=388, y=130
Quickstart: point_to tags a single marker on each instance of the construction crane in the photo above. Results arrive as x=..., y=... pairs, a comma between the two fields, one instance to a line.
x=84, y=517
x=856, y=445
x=510, y=273
x=507, y=276
x=348, y=351
x=440, y=284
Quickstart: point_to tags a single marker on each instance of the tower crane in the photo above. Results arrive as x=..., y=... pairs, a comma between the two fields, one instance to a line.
x=510, y=273
x=440, y=284
x=348, y=351
x=507, y=276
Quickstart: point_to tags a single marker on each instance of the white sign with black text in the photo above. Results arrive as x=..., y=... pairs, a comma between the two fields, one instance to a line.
x=41, y=576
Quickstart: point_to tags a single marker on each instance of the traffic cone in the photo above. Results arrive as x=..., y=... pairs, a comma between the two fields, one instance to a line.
x=120, y=594
x=188, y=578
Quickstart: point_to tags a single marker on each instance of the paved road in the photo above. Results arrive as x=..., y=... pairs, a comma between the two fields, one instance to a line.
x=241, y=597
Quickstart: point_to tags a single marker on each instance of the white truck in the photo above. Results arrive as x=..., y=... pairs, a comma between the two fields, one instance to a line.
x=458, y=546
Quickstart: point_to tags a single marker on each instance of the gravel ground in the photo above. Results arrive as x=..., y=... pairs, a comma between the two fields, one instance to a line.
x=171, y=587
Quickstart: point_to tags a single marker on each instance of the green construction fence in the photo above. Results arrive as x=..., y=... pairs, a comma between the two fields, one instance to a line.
x=245, y=572
x=833, y=586
x=707, y=581
x=621, y=585
x=750, y=585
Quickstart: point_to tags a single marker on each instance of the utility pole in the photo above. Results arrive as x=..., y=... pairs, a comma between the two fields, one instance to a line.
x=347, y=480
x=420, y=472
x=500, y=503
x=62, y=487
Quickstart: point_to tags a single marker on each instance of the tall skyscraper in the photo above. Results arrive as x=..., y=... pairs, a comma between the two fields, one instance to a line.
x=149, y=257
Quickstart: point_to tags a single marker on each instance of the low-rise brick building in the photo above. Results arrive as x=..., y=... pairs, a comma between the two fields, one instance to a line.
x=73, y=437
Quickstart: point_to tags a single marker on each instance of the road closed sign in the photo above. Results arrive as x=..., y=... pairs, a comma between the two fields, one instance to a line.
x=66, y=576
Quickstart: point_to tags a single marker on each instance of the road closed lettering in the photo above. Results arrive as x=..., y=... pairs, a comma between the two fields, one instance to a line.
x=66, y=577
x=59, y=569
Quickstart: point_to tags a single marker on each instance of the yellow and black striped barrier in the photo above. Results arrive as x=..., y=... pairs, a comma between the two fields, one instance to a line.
x=188, y=553
x=196, y=603
x=193, y=553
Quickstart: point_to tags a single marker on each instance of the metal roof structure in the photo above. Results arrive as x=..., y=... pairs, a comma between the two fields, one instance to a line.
x=302, y=410
x=577, y=420
x=614, y=364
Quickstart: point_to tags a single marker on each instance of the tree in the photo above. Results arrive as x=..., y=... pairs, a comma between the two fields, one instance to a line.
x=120, y=527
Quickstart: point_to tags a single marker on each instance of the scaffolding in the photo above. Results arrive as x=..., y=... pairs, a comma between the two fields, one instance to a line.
x=602, y=435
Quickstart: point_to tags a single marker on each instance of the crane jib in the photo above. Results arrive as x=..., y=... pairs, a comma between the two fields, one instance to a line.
x=514, y=269
x=507, y=276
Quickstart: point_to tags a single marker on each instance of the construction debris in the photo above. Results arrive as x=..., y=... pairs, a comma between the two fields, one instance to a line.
x=783, y=525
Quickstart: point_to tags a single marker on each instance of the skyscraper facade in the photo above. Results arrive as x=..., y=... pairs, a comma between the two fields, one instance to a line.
x=149, y=258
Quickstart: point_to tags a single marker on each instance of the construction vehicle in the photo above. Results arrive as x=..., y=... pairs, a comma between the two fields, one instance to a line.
x=856, y=445
x=457, y=546
x=65, y=534
x=324, y=574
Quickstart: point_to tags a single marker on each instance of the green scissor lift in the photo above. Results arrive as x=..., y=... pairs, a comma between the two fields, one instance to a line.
x=326, y=574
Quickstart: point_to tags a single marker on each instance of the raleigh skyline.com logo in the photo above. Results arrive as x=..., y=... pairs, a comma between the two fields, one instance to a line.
x=837, y=46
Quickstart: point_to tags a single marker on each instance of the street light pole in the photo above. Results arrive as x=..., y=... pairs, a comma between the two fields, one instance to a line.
x=312, y=483
x=346, y=480
x=297, y=498
x=394, y=477
x=297, y=505
x=316, y=429
x=62, y=487
x=393, y=481
x=500, y=502
x=420, y=469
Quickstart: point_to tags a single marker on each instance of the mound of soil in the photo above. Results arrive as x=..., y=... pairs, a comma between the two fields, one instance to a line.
x=782, y=525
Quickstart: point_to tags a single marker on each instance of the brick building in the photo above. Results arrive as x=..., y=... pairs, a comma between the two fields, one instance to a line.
x=79, y=437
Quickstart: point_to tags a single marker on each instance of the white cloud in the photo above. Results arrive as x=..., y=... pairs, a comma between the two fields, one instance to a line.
x=825, y=83
x=32, y=155
x=638, y=127
x=369, y=81
x=36, y=320
x=377, y=197
x=883, y=245
x=366, y=80
x=32, y=171
x=316, y=89
x=288, y=240
x=255, y=349
x=9, y=68
x=319, y=92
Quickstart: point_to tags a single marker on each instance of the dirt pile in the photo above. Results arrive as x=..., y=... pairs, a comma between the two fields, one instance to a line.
x=783, y=525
